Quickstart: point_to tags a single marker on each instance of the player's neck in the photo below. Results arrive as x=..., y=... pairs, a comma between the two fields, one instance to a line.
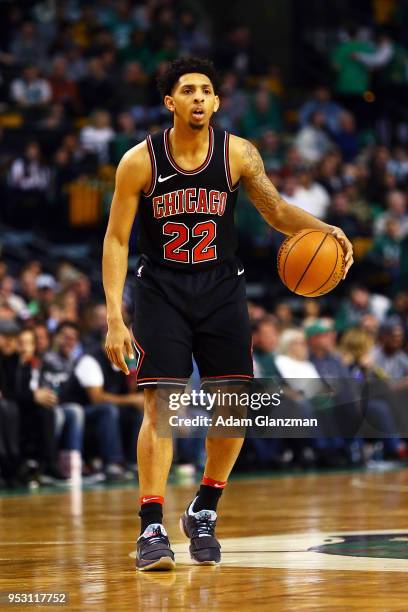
x=184, y=138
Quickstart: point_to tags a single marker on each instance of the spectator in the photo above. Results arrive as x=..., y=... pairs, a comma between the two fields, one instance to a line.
x=47, y=289
x=55, y=119
x=263, y=113
x=9, y=297
x=290, y=188
x=377, y=170
x=341, y=215
x=399, y=310
x=397, y=210
x=359, y=304
x=29, y=180
x=266, y=338
x=125, y=138
x=284, y=315
x=166, y=52
x=292, y=360
x=234, y=102
x=346, y=137
x=309, y=194
x=192, y=38
x=322, y=103
x=30, y=91
x=6, y=156
x=271, y=150
x=385, y=253
x=321, y=339
x=352, y=79
x=236, y=52
x=28, y=47
x=305, y=387
x=138, y=51
x=97, y=327
x=122, y=23
x=76, y=64
x=398, y=165
x=312, y=141
x=64, y=90
x=10, y=452
x=389, y=356
x=105, y=389
x=356, y=347
x=42, y=339
x=96, y=87
x=95, y=138
x=27, y=290
x=63, y=308
x=54, y=426
x=102, y=420
x=390, y=60
x=329, y=173
x=132, y=94
x=70, y=162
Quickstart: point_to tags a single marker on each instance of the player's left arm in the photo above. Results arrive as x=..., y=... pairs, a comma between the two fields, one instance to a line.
x=246, y=164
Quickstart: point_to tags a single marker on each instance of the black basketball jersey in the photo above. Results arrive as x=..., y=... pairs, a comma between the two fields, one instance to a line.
x=186, y=219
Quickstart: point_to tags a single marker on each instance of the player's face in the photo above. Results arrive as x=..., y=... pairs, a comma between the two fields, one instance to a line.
x=193, y=100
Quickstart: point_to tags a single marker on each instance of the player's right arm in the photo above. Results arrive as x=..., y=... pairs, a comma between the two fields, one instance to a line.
x=133, y=176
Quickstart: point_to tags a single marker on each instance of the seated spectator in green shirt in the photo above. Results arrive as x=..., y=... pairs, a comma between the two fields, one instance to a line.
x=264, y=113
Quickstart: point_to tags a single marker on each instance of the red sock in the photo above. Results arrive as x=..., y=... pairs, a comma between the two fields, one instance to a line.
x=151, y=499
x=210, y=482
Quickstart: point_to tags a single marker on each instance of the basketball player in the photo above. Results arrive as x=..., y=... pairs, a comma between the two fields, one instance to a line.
x=190, y=293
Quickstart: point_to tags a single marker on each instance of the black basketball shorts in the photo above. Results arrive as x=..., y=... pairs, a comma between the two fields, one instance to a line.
x=181, y=314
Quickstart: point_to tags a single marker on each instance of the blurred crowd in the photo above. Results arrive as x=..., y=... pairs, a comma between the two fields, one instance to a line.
x=63, y=403
x=77, y=83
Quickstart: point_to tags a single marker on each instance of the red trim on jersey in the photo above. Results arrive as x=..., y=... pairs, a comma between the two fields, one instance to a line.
x=228, y=376
x=174, y=163
x=227, y=164
x=154, y=167
x=210, y=482
x=161, y=378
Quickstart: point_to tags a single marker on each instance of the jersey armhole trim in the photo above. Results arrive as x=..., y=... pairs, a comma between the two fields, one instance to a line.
x=231, y=187
x=154, y=167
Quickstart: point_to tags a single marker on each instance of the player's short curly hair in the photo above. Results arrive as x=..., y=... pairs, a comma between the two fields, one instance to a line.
x=186, y=65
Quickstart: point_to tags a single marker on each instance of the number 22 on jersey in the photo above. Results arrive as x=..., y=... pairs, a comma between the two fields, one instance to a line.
x=203, y=250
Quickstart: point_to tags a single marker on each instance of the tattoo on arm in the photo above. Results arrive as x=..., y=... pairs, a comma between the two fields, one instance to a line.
x=257, y=185
x=284, y=217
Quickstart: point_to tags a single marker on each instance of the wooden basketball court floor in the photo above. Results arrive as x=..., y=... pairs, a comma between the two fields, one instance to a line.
x=337, y=541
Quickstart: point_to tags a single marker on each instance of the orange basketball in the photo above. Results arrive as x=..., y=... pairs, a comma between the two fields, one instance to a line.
x=311, y=262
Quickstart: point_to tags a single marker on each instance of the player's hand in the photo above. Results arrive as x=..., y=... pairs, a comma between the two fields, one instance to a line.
x=119, y=343
x=346, y=246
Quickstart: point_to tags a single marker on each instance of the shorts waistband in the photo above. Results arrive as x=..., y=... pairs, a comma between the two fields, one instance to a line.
x=145, y=260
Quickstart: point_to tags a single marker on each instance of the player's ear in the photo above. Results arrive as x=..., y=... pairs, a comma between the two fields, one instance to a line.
x=216, y=104
x=169, y=103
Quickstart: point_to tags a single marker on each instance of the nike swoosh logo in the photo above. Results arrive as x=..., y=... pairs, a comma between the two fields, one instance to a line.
x=241, y=271
x=161, y=178
x=215, y=484
x=147, y=499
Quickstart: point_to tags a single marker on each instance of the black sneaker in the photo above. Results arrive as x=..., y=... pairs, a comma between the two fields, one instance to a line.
x=199, y=527
x=153, y=549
